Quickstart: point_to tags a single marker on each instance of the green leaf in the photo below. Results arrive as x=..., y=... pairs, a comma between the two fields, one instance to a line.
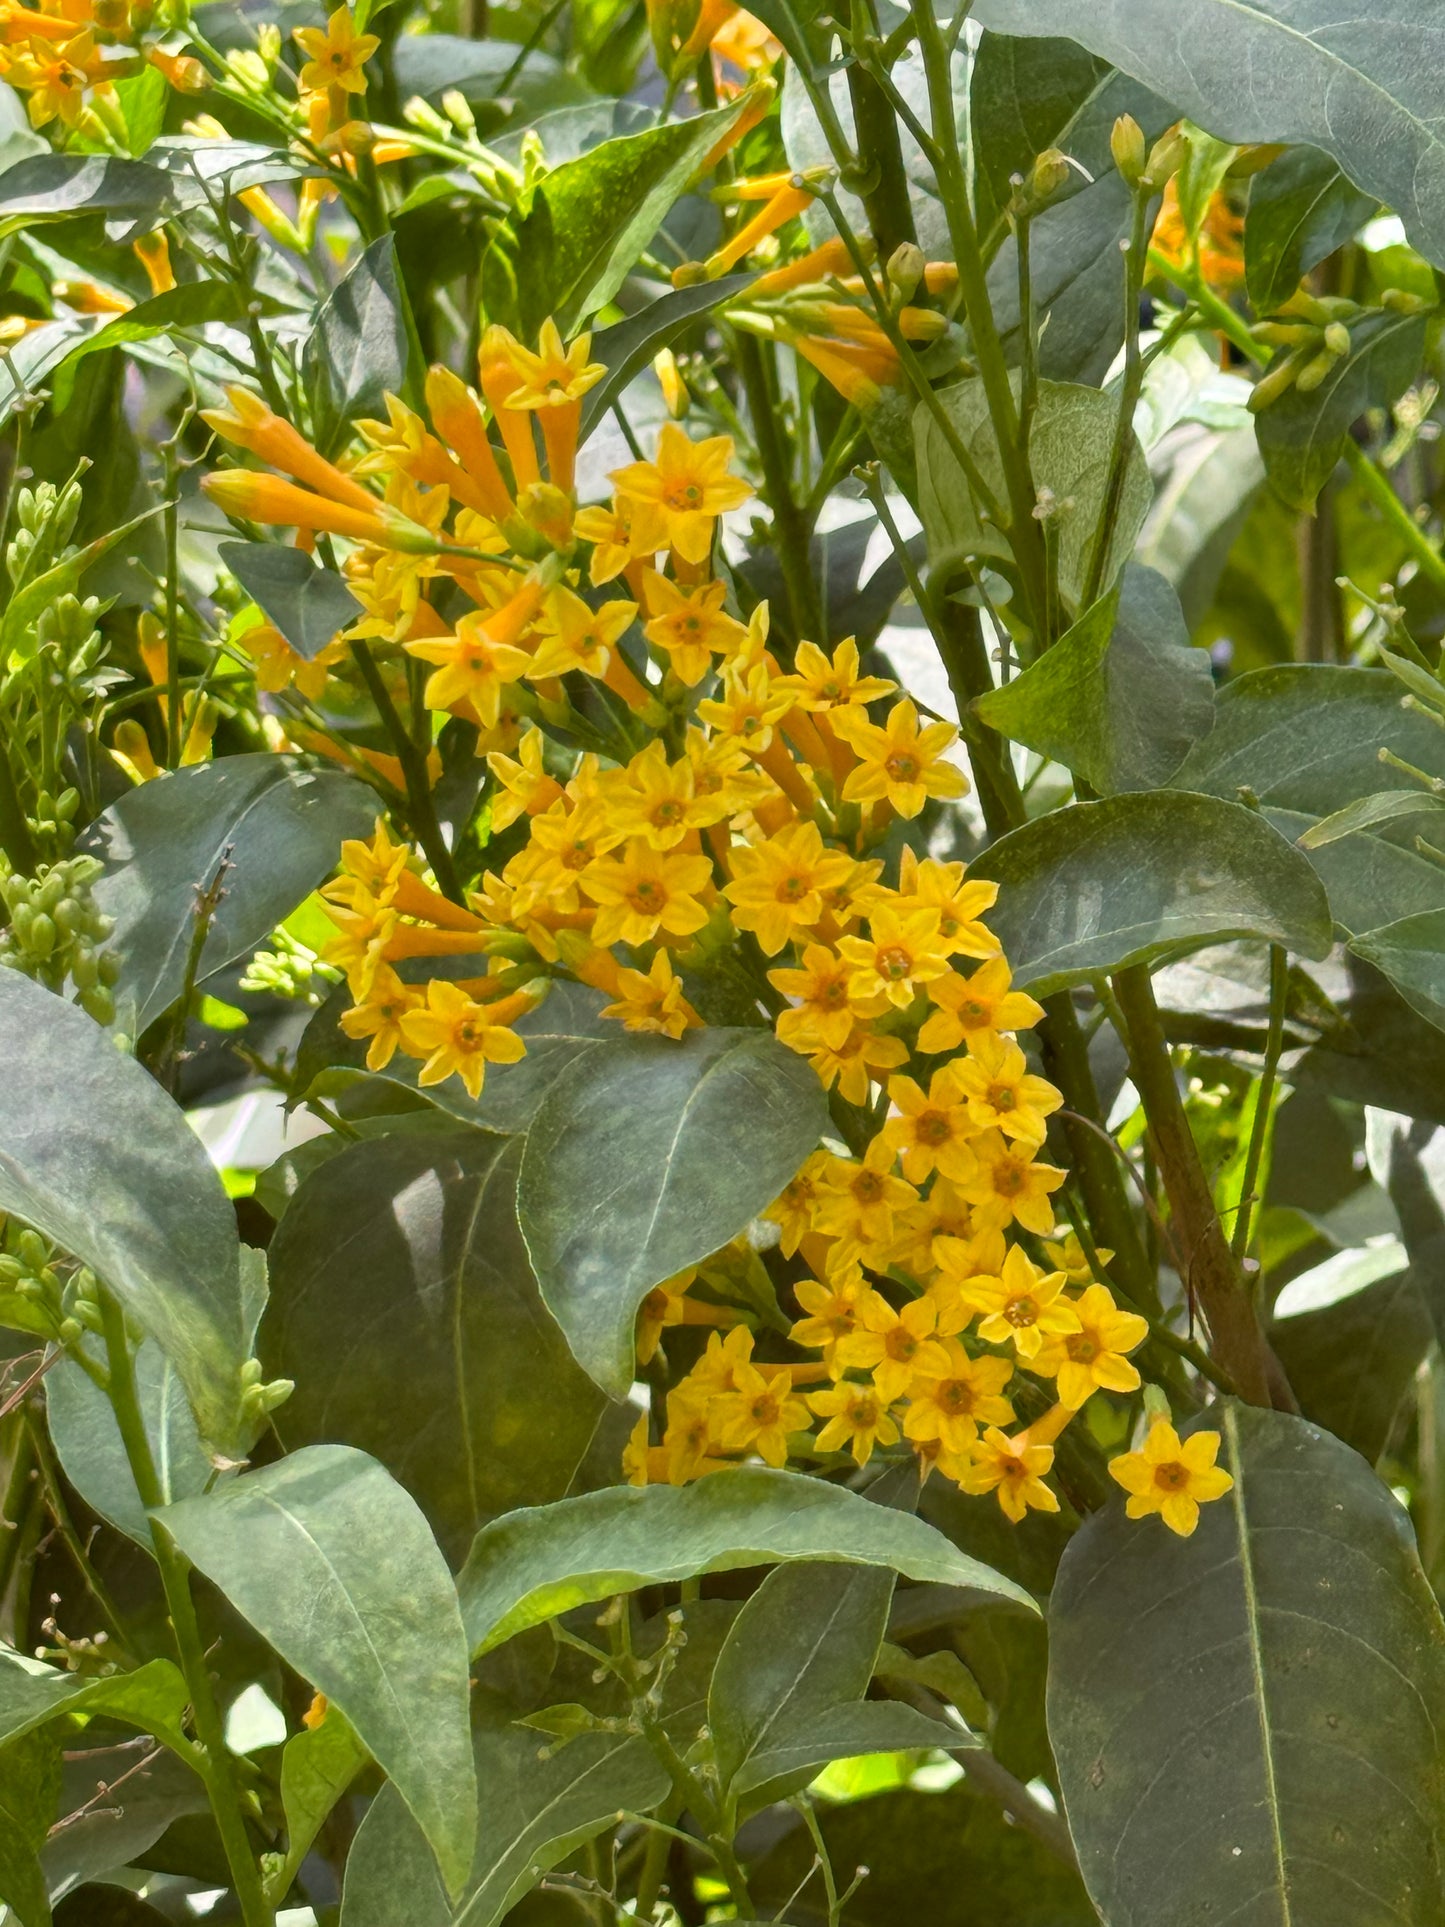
x=647, y=1155
x=88, y=1443
x=154, y=1697
x=539, y=1804
x=96, y=1156
x=1407, y=1156
x=844, y=1732
x=317, y=1766
x=1133, y=879
x=1282, y=1672
x=191, y=305
x=29, y=1790
x=307, y=603
x=1367, y=812
x=364, y=345
x=628, y=347
x=1352, y=1363
x=805, y=1643
x=1120, y=699
x=142, y=98
x=1412, y=955
x=560, y=1028
x=1301, y=208
x=147, y=1796
x=589, y=220
x=332, y=1563
x=1069, y=446
x=276, y=825
x=532, y=1565
x=485, y=1409
x=1359, y=84
x=1302, y=436
x=134, y=196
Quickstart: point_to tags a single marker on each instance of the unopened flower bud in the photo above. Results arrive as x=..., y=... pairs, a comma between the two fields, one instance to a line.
x=905, y=270
x=1337, y=338
x=1046, y=177
x=1126, y=144
x=1166, y=157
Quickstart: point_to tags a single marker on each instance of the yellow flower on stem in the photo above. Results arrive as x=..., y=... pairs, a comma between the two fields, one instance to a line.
x=893, y=1344
x=823, y=1012
x=642, y=891
x=625, y=533
x=760, y=1413
x=378, y=1016
x=792, y=1209
x=689, y=625
x=473, y=667
x=457, y=417
x=1014, y=1468
x=900, y=954
x=1008, y=1186
x=777, y=887
x=688, y=1441
x=857, y=1417
x=1093, y=1357
x=950, y=1405
x=576, y=636
x=568, y=837
x=525, y=787
x=1171, y=1477
x=654, y=799
x=832, y=1312
x=1002, y=1092
x=54, y=78
x=930, y=885
x=459, y=1037
x=932, y=1132
x=553, y=382
x=1022, y=1306
x=667, y=1305
x=337, y=56
x=821, y=683
x=266, y=498
x=854, y=1064
x=898, y=762
x=652, y=1000
x=784, y=196
x=857, y=1201
x=969, y=1005
x=688, y=484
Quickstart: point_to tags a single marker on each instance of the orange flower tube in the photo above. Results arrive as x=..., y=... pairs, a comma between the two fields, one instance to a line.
x=249, y=423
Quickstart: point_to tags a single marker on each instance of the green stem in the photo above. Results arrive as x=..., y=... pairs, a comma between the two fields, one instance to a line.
x=1376, y=484
x=221, y=1783
x=420, y=807
x=1264, y=1099
x=885, y=198
x=173, y=614
x=790, y=523
x=1129, y=391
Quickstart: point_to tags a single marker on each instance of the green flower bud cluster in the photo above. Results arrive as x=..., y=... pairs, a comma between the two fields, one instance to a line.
x=1314, y=332
x=259, y=1399
x=455, y=122
x=63, y=1298
x=290, y=970
x=56, y=932
x=45, y=519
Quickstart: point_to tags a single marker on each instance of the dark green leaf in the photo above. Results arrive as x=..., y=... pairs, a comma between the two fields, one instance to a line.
x=432, y=63
x=1136, y=878
x=276, y=825
x=364, y=345
x=1358, y=84
x=97, y=1906
x=1283, y=1672
x=317, y=1766
x=1367, y=880
x=307, y=603
x=154, y=1697
x=485, y=1409
x=1301, y=208
x=96, y=1156
x=333, y=1563
x=1407, y=1156
x=843, y=1732
x=391, y=1874
x=1412, y=955
x=533, y=1565
x=1352, y=1363
x=134, y=196
x=88, y=1443
x=647, y=1155
x=1368, y=812
x=147, y=1796
x=191, y=305
x=1070, y=445
x=1120, y=699
x=629, y=346
x=29, y=1789
x=1302, y=436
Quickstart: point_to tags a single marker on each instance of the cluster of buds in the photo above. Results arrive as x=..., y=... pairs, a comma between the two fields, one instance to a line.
x=66, y=56
x=1312, y=331
x=59, y=1300
x=45, y=518
x=55, y=932
x=261, y=1397
x=1141, y=166
x=289, y=970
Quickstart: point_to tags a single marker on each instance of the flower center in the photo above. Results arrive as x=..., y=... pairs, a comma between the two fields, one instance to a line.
x=895, y=964
x=955, y=1397
x=902, y=767
x=1002, y=1097
x=792, y=889
x=933, y=1127
x=901, y=1344
x=646, y=895
x=1021, y=1313
x=867, y=1187
x=1171, y=1478
x=1081, y=1348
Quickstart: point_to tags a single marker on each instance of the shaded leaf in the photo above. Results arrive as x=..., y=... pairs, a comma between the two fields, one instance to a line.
x=1301, y=208
x=1352, y=1364
x=92, y=1454
x=485, y=1409
x=133, y=195
x=363, y=346
x=333, y=1563
x=307, y=603
x=318, y=1764
x=96, y=1156
x=1407, y=1156
x=157, y=1792
x=29, y=1790
x=277, y=826
x=843, y=1732
x=533, y=1565
x=628, y=347
x=1283, y=1671
x=1411, y=953
x=1120, y=699
x=1135, y=878
x=647, y=1155
x=1368, y=812
x=154, y=1697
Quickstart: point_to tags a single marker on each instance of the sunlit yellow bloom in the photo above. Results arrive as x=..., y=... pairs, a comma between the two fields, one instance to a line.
x=576, y=636
x=652, y=1000
x=687, y=1441
x=378, y=1016
x=951, y=1404
x=626, y=532
x=554, y=375
x=1002, y=1092
x=1171, y=1477
x=930, y=885
x=654, y=799
x=980, y=1002
x=246, y=422
x=642, y=891
x=900, y=954
x=689, y=485
x=932, y=1132
x=337, y=56
x=792, y=1209
x=1014, y=1468
x=832, y=1312
x=526, y=788
x=1093, y=1357
x=857, y=1418
x=823, y=1011
x=893, y=1344
x=760, y=1413
x=820, y=684
x=54, y=78
x=777, y=887
x=856, y=1201
x=568, y=839
x=1021, y=1307
x=688, y=625
x=1008, y=1185
x=899, y=762
x=459, y=1037
x=279, y=666
x=473, y=667
x=667, y=1305
x=853, y=1065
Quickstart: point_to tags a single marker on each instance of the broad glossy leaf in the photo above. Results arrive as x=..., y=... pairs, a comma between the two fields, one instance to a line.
x=647, y=1155
x=1132, y=879
x=307, y=603
x=565, y=1023
x=539, y=1803
x=1407, y=1156
x=1282, y=1672
x=94, y=1154
x=531, y=1566
x=132, y=195
x=277, y=825
x=628, y=347
x=1301, y=208
x=317, y=1766
x=364, y=344
x=1120, y=699
x=154, y=1697
x=1412, y=955
x=191, y=305
x=1302, y=436
x=846, y=1731
x=29, y=1790
x=99, y=1837
x=1352, y=1363
x=432, y=63
x=1070, y=445
x=485, y=1409
x=1358, y=83
x=88, y=1443
x=332, y=1562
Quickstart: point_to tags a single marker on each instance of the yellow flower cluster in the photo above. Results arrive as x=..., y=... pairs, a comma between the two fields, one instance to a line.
x=65, y=57
x=738, y=831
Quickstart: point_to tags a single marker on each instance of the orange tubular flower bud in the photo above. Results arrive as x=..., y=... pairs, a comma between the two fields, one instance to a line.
x=181, y=71
x=266, y=498
x=250, y=424
x=754, y=105
x=788, y=201
x=154, y=254
x=822, y=264
x=501, y=378
x=457, y=417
